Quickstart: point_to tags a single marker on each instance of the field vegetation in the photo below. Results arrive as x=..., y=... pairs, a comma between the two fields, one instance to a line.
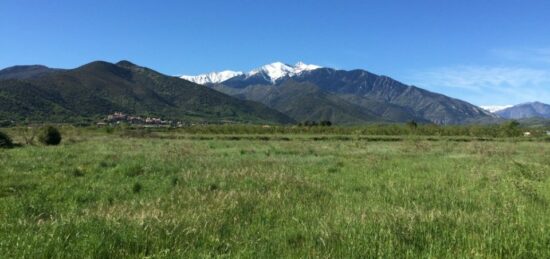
x=272, y=192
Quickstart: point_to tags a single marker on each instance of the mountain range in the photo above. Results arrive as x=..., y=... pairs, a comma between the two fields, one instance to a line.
x=311, y=92
x=273, y=93
x=269, y=73
x=94, y=90
x=525, y=110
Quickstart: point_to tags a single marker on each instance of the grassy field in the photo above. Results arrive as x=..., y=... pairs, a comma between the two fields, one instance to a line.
x=106, y=195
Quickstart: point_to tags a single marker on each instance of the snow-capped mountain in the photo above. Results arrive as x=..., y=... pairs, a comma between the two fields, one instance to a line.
x=270, y=72
x=278, y=70
x=495, y=108
x=212, y=78
x=301, y=67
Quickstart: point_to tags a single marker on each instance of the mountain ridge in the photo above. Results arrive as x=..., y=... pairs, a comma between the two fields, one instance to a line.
x=526, y=110
x=99, y=88
x=26, y=71
x=287, y=94
x=388, y=99
x=270, y=72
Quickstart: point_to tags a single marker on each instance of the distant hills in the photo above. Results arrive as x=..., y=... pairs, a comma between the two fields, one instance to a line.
x=525, y=110
x=89, y=92
x=310, y=92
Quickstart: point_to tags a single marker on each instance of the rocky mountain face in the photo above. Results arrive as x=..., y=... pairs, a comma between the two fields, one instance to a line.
x=346, y=97
x=526, y=110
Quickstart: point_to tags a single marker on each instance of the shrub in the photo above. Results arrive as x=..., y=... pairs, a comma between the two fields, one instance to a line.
x=310, y=123
x=109, y=130
x=50, y=136
x=77, y=172
x=412, y=125
x=5, y=140
x=175, y=181
x=326, y=123
x=5, y=123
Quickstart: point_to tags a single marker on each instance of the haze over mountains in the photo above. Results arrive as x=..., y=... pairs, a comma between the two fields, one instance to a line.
x=311, y=92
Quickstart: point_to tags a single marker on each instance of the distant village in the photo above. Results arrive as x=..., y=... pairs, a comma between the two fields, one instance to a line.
x=121, y=118
x=118, y=118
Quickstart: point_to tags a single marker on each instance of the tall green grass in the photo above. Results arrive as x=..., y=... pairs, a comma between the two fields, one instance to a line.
x=106, y=195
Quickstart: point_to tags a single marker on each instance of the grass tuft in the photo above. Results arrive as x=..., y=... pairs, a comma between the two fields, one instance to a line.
x=137, y=187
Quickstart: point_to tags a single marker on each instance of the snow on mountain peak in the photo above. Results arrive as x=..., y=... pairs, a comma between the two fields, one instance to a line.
x=271, y=72
x=495, y=108
x=277, y=70
x=301, y=67
x=212, y=78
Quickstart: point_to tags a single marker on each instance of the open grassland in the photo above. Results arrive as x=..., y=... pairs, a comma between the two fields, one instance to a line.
x=101, y=195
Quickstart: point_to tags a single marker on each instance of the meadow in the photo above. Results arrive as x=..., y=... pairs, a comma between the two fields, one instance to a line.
x=133, y=194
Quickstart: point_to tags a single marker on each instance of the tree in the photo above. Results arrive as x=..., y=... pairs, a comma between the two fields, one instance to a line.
x=510, y=129
x=50, y=136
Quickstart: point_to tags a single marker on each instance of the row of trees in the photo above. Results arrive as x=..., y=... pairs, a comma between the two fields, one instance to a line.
x=325, y=123
x=508, y=129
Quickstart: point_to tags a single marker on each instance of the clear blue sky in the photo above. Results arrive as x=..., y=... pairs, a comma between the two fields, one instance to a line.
x=485, y=52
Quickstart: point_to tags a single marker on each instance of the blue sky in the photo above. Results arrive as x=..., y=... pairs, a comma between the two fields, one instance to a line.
x=483, y=51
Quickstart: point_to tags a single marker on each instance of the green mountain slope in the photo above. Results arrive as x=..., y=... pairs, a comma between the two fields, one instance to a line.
x=303, y=102
x=306, y=101
x=26, y=72
x=99, y=88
